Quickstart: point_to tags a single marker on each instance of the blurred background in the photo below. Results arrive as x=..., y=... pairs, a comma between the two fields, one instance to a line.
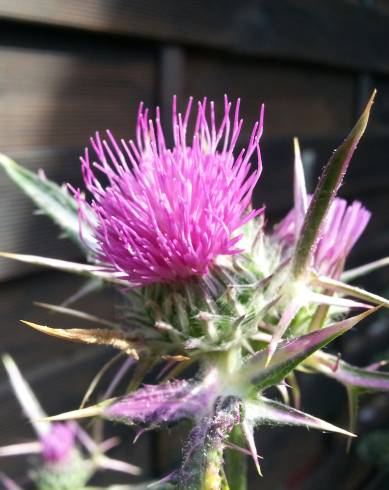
x=68, y=68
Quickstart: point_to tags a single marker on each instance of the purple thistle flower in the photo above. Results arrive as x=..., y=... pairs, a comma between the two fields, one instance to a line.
x=58, y=443
x=167, y=213
x=341, y=230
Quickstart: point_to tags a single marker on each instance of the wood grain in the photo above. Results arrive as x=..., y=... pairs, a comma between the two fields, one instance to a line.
x=301, y=102
x=338, y=33
x=52, y=101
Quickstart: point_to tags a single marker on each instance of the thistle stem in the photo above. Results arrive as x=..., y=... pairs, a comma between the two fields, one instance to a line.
x=236, y=462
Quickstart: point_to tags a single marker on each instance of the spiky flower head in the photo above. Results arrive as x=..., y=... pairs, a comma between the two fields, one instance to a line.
x=167, y=213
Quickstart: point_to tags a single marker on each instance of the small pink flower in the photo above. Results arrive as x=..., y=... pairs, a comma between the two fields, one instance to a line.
x=341, y=230
x=58, y=443
x=164, y=214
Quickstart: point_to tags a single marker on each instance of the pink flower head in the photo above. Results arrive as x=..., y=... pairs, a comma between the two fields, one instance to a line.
x=341, y=230
x=58, y=443
x=167, y=213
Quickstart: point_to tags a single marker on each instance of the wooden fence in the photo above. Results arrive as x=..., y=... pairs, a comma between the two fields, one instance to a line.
x=68, y=68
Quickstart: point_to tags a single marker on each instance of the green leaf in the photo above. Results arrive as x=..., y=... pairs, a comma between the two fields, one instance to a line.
x=325, y=192
x=51, y=199
x=290, y=353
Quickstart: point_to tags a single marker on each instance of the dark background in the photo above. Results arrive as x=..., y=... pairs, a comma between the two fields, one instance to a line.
x=68, y=68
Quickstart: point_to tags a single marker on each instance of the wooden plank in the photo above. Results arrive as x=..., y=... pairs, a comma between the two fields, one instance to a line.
x=54, y=98
x=381, y=5
x=380, y=116
x=303, y=102
x=172, y=65
x=333, y=32
x=52, y=101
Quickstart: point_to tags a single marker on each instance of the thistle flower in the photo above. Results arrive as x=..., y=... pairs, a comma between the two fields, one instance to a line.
x=59, y=443
x=341, y=230
x=168, y=213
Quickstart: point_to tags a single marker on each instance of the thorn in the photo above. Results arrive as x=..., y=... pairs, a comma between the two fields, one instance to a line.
x=138, y=435
x=336, y=365
x=271, y=350
x=248, y=433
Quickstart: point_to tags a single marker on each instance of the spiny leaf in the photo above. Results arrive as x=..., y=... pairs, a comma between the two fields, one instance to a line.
x=76, y=313
x=96, y=379
x=66, y=266
x=364, y=269
x=150, y=405
x=248, y=432
x=33, y=447
x=50, y=198
x=90, y=286
x=97, y=336
x=353, y=291
x=300, y=191
x=104, y=462
x=288, y=315
x=81, y=413
x=290, y=353
x=349, y=375
x=270, y=412
x=294, y=306
x=8, y=483
x=25, y=396
x=325, y=192
x=325, y=299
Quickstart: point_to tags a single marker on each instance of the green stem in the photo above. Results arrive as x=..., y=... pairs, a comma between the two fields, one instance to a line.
x=236, y=462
